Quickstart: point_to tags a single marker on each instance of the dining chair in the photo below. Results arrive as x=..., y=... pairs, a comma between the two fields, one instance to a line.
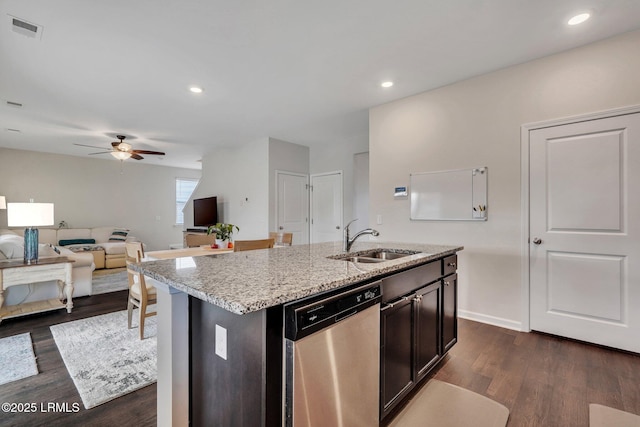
x=196, y=240
x=141, y=295
x=281, y=238
x=248, y=245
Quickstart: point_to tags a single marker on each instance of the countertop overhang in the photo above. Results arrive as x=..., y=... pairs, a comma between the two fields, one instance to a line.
x=248, y=281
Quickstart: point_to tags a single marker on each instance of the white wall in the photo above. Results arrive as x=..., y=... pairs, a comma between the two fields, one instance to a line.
x=90, y=192
x=284, y=156
x=238, y=177
x=360, y=191
x=248, y=171
x=477, y=123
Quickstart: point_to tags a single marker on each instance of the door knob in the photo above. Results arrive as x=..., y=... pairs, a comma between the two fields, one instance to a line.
x=537, y=241
x=337, y=227
x=281, y=228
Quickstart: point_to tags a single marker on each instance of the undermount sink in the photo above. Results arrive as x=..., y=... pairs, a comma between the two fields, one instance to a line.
x=362, y=259
x=374, y=256
x=384, y=255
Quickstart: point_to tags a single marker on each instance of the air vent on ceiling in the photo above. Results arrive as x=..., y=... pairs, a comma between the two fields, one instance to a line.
x=25, y=28
x=14, y=104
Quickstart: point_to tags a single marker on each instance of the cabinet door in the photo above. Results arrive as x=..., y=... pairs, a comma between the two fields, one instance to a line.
x=427, y=328
x=449, y=318
x=396, y=357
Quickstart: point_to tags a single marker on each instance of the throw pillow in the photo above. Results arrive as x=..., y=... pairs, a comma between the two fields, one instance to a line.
x=67, y=242
x=12, y=247
x=119, y=235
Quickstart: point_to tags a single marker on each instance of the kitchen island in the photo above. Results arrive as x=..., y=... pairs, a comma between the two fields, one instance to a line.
x=220, y=326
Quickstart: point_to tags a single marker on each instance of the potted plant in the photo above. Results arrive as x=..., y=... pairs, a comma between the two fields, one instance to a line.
x=223, y=233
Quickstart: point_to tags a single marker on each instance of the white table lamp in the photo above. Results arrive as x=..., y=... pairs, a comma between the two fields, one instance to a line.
x=30, y=215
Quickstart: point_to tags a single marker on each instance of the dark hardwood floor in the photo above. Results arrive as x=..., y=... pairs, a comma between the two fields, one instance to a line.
x=53, y=383
x=543, y=380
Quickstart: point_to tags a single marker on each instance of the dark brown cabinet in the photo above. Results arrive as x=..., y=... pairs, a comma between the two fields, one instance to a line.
x=426, y=328
x=396, y=351
x=449, y=312
x=417, y=328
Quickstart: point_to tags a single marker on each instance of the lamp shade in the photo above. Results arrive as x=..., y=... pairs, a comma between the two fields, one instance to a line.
x=29, y=214
x=3, y=202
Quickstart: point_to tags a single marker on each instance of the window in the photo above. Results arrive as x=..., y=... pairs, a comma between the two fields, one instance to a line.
x=184, y=188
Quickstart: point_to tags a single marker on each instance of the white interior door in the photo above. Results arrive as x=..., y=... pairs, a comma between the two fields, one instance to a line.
x=585, y=231
x=292, y=205
x=326, y=207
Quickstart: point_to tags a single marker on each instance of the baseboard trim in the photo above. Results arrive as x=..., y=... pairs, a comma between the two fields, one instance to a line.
x=491, y=320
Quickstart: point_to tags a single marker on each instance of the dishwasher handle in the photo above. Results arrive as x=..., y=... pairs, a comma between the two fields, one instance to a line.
x=345, y=315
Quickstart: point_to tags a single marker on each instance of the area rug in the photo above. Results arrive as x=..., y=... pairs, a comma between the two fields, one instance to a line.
x=17, y=358
x=604, y=416
x=447, y=405
x=104, y=358
x=104, y=281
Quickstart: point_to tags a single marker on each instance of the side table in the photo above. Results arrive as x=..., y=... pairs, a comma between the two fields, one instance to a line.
x=16, y=272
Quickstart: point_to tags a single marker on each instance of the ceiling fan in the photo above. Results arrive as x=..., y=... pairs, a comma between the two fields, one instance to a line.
x=123, y=150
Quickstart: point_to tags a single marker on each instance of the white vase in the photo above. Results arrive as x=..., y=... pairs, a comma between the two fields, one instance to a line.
x=222, y=244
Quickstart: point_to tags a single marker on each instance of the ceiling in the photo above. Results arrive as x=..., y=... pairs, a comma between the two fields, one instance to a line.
x=304, y=72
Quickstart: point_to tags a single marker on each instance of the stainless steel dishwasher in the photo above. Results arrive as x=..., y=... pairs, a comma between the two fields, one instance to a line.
x=332, y=359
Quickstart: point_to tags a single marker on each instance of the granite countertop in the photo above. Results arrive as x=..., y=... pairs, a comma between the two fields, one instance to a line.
x=248, y=281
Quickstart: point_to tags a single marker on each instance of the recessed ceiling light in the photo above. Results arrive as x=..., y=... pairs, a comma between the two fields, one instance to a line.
x=196, y=89
x=387, y=84
x=579, y=19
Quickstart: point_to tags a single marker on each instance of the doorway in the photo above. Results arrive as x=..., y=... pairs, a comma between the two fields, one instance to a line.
x=292, y=205
x=581, y=234
x=326, y=207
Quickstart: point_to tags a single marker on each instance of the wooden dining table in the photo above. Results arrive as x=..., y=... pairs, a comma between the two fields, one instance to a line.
x=186, y=252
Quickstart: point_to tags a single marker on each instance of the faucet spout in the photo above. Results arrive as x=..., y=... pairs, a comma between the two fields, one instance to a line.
x=348, y=241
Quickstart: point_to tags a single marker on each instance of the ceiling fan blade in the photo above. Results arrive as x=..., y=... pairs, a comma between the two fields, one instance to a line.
x=90, y=146
x=135, y=156
x=159, y=153
x=101, y=152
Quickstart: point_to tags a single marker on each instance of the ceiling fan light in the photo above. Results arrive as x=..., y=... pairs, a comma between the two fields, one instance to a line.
x=124, y=146
x=121, y=155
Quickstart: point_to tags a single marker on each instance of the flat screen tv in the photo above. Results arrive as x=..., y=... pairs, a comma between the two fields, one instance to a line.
x=205, y=212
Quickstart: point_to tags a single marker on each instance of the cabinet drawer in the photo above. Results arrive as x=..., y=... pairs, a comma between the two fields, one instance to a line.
x=450, y=265
x=407, y=281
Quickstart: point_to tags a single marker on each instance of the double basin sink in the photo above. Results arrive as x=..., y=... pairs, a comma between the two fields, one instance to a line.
x=374, y=256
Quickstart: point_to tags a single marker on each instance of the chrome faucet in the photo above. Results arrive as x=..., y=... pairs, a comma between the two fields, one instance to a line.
x=349, y=241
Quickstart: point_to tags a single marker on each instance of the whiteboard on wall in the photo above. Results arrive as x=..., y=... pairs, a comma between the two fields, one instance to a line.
x=459, y=195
